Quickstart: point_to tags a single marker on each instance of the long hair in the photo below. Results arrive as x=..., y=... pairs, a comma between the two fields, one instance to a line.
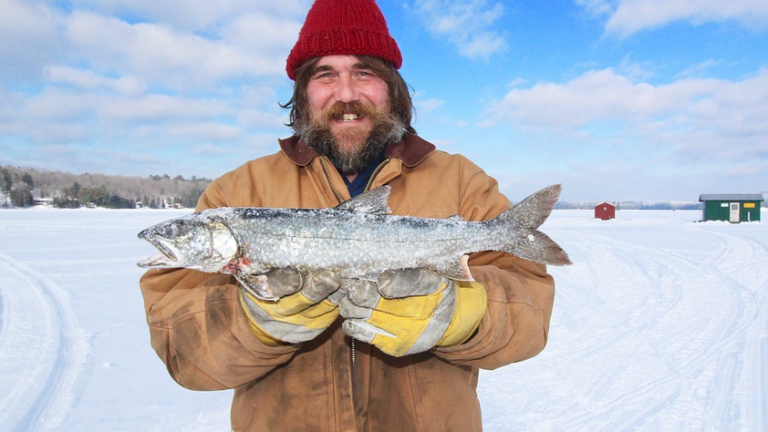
x=399, y=96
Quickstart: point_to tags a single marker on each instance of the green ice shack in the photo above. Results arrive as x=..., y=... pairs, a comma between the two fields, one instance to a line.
x=732, y=208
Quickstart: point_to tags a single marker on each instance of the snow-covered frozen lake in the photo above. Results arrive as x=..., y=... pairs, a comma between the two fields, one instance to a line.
x=661, y=325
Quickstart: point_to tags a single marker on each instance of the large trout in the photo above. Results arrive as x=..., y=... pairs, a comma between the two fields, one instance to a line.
x=357, y=238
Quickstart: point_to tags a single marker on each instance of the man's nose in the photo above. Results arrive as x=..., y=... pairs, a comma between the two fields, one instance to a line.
x=346, y=89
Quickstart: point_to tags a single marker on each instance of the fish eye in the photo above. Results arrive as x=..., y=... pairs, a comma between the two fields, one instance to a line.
x=169, y=231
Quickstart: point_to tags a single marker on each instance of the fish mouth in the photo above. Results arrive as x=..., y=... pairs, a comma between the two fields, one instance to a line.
x=166, y=257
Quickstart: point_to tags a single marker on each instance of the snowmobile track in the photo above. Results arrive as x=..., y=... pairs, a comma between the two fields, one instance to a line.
x=42, y=343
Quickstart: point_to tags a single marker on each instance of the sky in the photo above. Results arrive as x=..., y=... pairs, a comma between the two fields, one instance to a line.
x=618, y=100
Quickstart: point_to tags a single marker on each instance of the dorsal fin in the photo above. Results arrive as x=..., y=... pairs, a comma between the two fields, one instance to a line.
x=374, y=202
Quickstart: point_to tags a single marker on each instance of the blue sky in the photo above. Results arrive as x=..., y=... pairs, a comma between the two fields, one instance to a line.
x=644, y=100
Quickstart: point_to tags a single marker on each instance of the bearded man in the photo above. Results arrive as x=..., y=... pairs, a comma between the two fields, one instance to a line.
x=399, y=353
x=347, y=113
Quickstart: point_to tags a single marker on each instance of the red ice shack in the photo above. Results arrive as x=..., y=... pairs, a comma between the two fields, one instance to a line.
x=605, y=211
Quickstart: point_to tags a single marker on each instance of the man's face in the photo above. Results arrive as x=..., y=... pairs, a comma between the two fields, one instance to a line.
x=345, y=93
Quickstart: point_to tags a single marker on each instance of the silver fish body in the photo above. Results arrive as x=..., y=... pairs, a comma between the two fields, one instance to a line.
x=357, y=239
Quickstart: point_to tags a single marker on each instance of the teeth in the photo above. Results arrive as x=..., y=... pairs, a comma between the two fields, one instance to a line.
x=349, y=117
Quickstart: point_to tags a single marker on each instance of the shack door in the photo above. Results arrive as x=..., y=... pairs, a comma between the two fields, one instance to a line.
x=735, y=213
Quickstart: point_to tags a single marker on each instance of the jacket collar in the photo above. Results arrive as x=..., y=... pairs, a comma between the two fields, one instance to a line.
x=412, y=150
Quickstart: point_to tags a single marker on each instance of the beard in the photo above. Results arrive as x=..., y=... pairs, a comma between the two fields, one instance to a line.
x=350, y=151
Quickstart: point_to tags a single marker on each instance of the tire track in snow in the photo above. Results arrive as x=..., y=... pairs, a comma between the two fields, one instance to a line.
x=709, y=363
x=760, y=386
x=746, y=269
x=42, y=350
x=620, y=411
x=754, y=277
x=708, y=350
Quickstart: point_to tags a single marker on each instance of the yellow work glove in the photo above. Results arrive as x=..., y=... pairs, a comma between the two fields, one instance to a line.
x=411, y=310
x=306, y=306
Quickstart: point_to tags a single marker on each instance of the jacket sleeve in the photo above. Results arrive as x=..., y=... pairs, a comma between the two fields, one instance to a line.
x=198, y=328
x=520, y=294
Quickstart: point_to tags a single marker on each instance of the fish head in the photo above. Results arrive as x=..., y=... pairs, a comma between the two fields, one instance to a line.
x=192, y=242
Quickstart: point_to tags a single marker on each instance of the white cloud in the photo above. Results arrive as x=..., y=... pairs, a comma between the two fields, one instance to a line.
x=28, y=38
x=51, y=106
x=594, y=95
x=467, y=24
x=627, y=17
x=63, y=115
x=160, y=55
x=695, y=118
x=635, y=71
x=428, y=104
x=259, y=119
x=597, y=7
x=205, y=131
x=210, y=150
x=99, y=77
x=90, y=81
x=160, y=108
x=194, y=15
x=699, y=68
x=263, y=33
x=147, y=40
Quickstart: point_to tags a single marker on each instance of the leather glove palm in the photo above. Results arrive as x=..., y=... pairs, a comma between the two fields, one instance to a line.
x=302, y=312
x=411, y=310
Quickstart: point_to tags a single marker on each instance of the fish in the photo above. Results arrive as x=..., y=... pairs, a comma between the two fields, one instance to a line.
x=359, y=238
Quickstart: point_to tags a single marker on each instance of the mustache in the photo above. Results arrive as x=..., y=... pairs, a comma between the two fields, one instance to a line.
x=336, y=111
x=316, y=134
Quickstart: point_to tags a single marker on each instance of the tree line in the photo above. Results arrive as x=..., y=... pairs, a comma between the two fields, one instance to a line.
x=24, y=187
x=631, y=205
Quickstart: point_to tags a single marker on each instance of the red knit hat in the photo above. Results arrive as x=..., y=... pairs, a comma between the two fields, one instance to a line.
x=339, y=27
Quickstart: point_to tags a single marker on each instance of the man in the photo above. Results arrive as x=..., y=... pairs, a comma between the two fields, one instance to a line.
x=398, y=354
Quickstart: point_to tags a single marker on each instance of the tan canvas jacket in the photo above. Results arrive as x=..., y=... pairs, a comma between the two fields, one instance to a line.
x=199, y=330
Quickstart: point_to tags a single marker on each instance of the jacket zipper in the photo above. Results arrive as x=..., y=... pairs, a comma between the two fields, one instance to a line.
x=374, y=174
x=340, y=199
x=335, y=191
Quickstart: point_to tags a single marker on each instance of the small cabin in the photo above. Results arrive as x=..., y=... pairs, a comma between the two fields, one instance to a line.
x=732, y=208
x=605, y=211
x=47, y=202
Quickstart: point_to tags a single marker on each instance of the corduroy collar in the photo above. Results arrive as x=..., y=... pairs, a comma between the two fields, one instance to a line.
x=412, y=150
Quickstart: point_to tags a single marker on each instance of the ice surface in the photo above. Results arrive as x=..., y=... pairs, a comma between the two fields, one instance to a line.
x=661, y=324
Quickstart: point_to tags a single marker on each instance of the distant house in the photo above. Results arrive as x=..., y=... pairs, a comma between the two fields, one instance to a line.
x=43, y=202
x=5, y=200
x=605, y=211
x=733, y=208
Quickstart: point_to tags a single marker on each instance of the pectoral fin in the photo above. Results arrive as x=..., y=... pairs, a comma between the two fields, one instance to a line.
x=457, y=269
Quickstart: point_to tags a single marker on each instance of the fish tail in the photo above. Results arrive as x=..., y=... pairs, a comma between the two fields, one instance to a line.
x=518, y=229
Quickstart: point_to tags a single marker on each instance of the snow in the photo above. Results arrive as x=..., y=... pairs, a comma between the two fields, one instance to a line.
x=660, y=325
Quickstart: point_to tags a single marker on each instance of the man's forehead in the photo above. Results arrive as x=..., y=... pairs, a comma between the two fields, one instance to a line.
x=341, y=61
